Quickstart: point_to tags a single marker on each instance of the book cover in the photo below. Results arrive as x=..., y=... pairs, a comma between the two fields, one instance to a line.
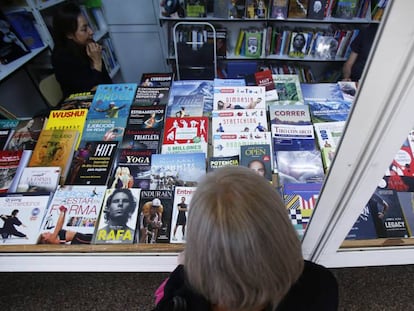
x=288, y=88
x=228, y=82
x=258, y=158
x=132, y=169
x=214, y=163
x=155, y=215
x=407, y=203
x=179, y=169
x=329, y=111
x=264, y=78
x=328, y=154
x=287, y=137
x=196, y=8
x=12, y=45
x=279, y=9
x=326, y=47
x=72, y=215
x=186, y=135
x=298, y=8
x=82, y=100
x=39, y=179
x=228, y=144
x=21, y=215
x=289, y=114
x=299, y=166
x=345, y=8
x=73, y=119
x=298, y=44
x=239, y=120
x=316, y=9
x=146, y=118
x=239, y=97
x=92, y=163
x=363, y=228
x=192, y=87
x=5, y=136
x=329, y=134
x=112, y=101
x=8, y=123
x=24, y=24
x=104, y=129
x=186, y=106
x=348, y=89
x=256, y=9
x=300, y=200
x=26, y=134
x=9, y=162
x=142, y=139
x=118, y=217
x=151, y=96
x=181, y=207
x=387, y=214
x=253, y=43
x=157, y=79
x=55, y=148
x=321, y=91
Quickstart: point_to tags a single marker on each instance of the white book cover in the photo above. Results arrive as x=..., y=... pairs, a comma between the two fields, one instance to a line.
x=181, y=206
x=239, y=120
x=228, y=144
x=329, y=134
x=39, y=179
x=21, y=215
x=82, y=203
x=239, y=97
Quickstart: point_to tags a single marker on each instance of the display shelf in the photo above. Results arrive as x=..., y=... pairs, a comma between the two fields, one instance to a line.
x=8, y=69
x=90, y=258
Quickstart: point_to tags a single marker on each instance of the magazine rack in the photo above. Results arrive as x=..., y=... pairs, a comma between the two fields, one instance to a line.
x=195, y=50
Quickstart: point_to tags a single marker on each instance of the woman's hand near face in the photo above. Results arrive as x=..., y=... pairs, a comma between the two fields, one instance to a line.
x=94, y=51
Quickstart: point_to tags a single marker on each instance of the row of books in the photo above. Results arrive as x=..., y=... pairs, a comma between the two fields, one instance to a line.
x=320, y=44
x=277, y=9
x=133, y=138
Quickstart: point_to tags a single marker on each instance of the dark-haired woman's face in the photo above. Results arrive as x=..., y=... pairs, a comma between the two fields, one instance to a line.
x=83, y=34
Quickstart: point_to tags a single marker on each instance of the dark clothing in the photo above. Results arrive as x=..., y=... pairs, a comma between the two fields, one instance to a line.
x=73, y=70
x=8, y=227
x=181, y=218
x=316, y=289
x=362, y=46
x=79, y=238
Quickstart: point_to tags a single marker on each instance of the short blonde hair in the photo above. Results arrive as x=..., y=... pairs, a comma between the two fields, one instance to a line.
x=242, y=251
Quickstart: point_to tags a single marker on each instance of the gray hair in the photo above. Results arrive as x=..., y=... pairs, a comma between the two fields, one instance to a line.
x=242, y=251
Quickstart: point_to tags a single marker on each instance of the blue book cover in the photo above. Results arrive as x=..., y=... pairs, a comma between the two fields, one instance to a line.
x=24, y=24
x=300, y=200
x=321, y=91
x=328, y=111
x=287, y=137
x=176, y=169
x=363, y=228
x=186, y=106
x=108, y=129
x=112, y=101
x=192, y=87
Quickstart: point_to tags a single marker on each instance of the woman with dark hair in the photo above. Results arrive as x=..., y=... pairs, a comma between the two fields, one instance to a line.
x=76, y=57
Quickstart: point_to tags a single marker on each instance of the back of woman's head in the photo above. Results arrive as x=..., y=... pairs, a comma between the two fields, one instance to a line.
x=65, y=22
x=242, y=251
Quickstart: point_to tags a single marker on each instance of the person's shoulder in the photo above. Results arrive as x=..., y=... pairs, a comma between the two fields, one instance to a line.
x=316, y=289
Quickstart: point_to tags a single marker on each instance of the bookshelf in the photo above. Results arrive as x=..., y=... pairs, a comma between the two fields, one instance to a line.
x=267, y=27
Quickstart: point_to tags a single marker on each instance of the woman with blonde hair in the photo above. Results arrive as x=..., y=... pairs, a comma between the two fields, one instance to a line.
x=242, y=252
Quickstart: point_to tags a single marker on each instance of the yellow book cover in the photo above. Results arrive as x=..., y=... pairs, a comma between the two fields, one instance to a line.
x=55, y=148
x=72, y=119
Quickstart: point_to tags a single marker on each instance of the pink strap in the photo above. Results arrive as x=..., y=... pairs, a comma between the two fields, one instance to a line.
x=159, y=292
